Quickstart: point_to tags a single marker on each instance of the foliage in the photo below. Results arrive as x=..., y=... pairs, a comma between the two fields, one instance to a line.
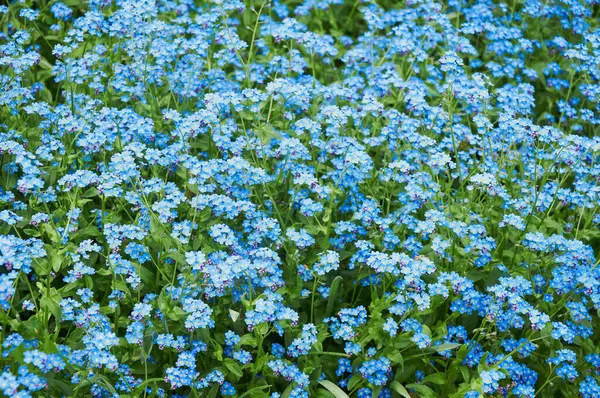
x=323, y=198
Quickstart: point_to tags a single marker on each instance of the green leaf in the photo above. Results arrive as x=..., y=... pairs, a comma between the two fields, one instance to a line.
x=179, y=258
x=399, y=388
x=423, y=391
x=176, y=314
x=426, y=330
x=52, y=305
x=316, y=374
x=234, y=315
x=214, y=391
x=436, y=378
x=396, y=358
x=254, y=392
x=63, y=387
x=82, y=202
x=287, y=391
x=354, y=380
x=91, y=231
x=147, y=346
x=248, y=340
x=247, y=115
x=332, y=388
x=446, y=346
x=42, y=268
x=31, y=232
x=57, y=261
x=140, y=387
x=156, y=228
x=322, y=393
x=333, y=295
x=52, y=234
x=104, y=382
x=464, y=371
x=145, y=274
x=266, y=133
x=217, y=351
x=233, y=367
x=90, y=193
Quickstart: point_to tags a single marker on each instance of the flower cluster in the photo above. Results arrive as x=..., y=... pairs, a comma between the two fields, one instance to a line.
x=300, y=198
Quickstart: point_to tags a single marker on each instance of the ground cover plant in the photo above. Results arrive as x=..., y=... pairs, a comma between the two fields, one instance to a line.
x=318, y=198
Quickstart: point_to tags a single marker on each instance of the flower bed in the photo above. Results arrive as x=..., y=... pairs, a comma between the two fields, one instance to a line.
x=323, y=198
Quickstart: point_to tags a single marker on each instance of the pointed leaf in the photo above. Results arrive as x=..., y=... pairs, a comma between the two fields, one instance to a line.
x=333, y=295
x=446, y=346
x=399, y=388
x=332, y=388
